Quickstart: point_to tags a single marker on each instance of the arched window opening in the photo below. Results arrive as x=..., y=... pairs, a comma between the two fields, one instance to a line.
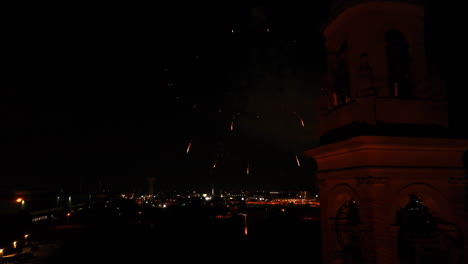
x=347, y=228
x=424, y=238
x=341, y=84
x=341, y=90
x=398, y=62
x=415, y=219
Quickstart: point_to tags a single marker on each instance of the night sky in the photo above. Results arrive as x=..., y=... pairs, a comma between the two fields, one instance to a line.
x=115, y=92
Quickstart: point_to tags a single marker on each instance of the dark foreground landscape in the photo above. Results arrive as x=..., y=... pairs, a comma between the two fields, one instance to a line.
x=124, y=232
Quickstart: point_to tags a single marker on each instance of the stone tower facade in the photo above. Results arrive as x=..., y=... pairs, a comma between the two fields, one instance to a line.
x=392, y=183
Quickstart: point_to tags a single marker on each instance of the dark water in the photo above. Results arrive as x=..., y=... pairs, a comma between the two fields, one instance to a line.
x=158, y=235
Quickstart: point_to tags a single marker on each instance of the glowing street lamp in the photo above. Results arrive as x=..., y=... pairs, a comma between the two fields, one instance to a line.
x=21, y=201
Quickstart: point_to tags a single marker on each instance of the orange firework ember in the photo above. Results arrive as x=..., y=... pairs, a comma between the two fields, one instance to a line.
x=298, y=163
x=300, y=119
x=188, y=147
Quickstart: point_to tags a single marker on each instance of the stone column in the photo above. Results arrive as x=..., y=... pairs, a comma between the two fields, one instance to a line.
x=377, y=238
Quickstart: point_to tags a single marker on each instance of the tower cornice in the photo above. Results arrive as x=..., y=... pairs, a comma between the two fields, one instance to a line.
x=338, y=6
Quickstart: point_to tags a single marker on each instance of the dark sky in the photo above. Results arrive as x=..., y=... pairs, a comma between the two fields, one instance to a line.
x=115, y=92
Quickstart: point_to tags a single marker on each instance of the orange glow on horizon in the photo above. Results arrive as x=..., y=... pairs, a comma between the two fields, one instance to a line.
x=286, y=202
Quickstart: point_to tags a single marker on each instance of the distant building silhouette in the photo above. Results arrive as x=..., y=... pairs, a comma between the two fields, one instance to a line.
x=151, y=183
x=392, y=183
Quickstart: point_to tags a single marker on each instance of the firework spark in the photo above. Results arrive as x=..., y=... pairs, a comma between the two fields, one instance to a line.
x=300, y=119
x=297, y=161
x=188, y=147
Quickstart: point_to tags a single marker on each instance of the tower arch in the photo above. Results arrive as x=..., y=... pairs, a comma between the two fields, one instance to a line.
x=431, y=196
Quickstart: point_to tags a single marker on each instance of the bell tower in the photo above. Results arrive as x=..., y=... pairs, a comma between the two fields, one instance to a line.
x=392, y=183
x=378, y=78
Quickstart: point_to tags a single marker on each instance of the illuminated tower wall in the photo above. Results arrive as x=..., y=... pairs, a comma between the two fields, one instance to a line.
x=392, y=184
